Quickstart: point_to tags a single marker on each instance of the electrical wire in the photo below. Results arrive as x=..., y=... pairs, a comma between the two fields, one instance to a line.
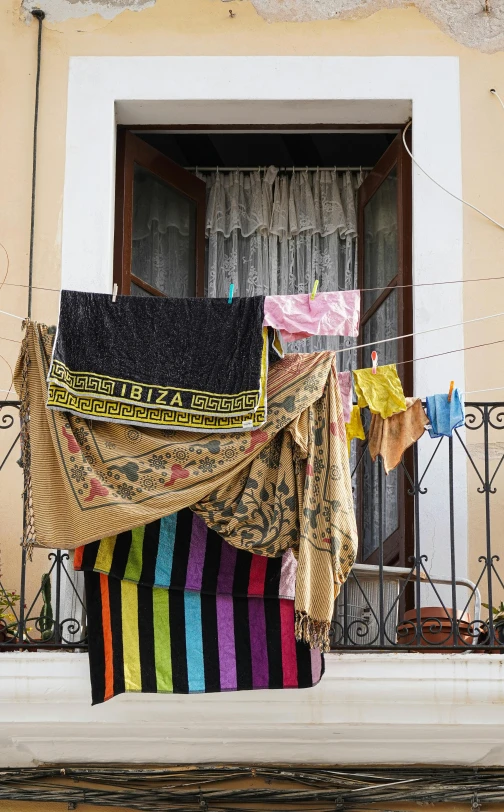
x=39, y=16
x=448, y=192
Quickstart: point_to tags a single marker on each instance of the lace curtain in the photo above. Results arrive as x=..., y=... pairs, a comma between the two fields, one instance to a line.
x=277, y=232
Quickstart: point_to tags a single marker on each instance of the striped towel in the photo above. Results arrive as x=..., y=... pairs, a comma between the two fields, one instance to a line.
x=173, y=608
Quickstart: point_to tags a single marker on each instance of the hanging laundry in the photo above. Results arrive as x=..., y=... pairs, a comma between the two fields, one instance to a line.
x=444, y=417
x=335, y=313
x=167, y=363
x=382, y=391
x=354, y=428
x=345, y=385
x=173, y=608
x=180, y=552
x=390, y=437
x=86, y=480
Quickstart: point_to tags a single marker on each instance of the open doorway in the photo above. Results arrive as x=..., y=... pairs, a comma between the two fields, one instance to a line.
x=272, y=210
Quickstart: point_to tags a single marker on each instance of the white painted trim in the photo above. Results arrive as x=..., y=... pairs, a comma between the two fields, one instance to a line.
x=285, y=90
x=368, y=709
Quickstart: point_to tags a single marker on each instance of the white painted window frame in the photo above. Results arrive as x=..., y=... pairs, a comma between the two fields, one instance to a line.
x=104, y=91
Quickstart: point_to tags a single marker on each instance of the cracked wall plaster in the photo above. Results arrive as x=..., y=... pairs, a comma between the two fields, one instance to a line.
x=60, y=10
x=475, y=23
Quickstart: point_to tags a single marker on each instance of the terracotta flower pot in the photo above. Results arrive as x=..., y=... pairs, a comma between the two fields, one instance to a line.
x=436, y=632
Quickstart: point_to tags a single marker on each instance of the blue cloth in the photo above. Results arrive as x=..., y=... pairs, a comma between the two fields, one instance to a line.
x=444, y=416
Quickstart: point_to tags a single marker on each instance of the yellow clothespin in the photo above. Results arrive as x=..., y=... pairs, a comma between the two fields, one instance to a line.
x=314, y=289
x=450, y=391
x=114, y=292
x=374, y=360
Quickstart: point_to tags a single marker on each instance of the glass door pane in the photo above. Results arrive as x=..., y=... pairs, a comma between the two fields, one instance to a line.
x=380, y=495
x=159, y=241
x=380, y=238
x=164, y=236
x=385, y=264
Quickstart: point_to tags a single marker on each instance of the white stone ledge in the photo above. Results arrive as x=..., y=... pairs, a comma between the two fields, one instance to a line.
x=390, y=708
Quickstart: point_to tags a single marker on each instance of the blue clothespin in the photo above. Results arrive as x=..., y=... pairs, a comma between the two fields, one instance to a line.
x=231, y=289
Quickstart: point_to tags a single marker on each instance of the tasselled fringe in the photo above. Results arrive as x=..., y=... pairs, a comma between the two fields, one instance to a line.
x=313, y=632
x=29, y=540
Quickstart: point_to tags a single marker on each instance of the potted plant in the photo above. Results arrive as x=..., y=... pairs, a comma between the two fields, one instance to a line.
x=436, y=629
x=8, y=620
x=498, y=624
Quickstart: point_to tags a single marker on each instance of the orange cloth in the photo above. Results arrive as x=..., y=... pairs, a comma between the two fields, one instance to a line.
x=390, y=437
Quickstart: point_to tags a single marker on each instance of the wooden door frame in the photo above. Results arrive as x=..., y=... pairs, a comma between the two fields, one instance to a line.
x=131, y=150
x=401, y=542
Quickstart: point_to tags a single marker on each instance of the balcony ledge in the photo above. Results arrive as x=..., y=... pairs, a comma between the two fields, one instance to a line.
x=386, y=708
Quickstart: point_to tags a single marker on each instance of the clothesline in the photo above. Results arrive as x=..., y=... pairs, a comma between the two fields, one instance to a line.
x=417, y=333
x=362, y=290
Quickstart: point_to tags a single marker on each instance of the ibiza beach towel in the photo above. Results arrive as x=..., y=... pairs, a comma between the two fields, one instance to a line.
x=176, y=363
x=173, y=608
x=286, y=486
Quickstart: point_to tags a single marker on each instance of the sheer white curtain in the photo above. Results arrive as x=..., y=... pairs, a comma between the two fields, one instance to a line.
x=276, y=232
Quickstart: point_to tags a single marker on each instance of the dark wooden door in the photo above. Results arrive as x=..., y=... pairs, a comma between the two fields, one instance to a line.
x=159, y=246
x=384, y=245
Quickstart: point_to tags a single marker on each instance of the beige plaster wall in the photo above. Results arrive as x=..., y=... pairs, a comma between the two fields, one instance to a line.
x=200, y=27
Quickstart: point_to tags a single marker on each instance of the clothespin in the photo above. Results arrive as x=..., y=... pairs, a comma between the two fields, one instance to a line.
x=374, y=360
x=114, y=292
x=231, y=289
x=450, y=391
x=314, y=289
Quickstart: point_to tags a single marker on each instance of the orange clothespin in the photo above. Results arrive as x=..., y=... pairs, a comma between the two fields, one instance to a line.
x=450, y=391
x=374, y=359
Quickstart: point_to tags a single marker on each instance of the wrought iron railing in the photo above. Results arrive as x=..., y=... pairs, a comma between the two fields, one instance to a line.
x=53, y=615
x=443, y=499
x=428, y=564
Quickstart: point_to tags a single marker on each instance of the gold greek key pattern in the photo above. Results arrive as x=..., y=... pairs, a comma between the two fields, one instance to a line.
x=87, y=384
x=246, y=402
x=81, y=381
x=62, y=399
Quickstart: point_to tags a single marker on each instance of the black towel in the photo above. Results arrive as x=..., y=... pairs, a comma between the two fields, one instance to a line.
x=198, y=364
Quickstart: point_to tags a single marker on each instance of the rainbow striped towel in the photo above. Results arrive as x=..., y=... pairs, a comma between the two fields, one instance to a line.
x=173, y=608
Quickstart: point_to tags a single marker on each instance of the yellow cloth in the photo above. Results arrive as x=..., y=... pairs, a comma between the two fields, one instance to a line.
x=391, y=437
x=383, y=392
x=354, y=429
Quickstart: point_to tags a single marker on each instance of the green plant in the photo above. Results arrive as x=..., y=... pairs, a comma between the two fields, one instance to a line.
x=46, y=615
x=497, y=611
x=8, y=601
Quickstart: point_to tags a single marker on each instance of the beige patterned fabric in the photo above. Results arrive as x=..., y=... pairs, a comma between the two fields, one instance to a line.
x=284, y=486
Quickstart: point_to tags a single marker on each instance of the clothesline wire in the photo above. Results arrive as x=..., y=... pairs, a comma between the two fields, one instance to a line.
x=450, y=352
x=418, y=333
x=492, y=389
x=362, y=290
